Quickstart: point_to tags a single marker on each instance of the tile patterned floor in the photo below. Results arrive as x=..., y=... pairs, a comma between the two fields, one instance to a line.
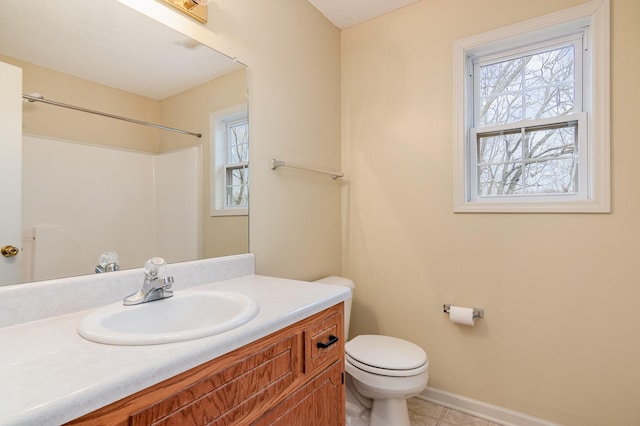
x=424, y=413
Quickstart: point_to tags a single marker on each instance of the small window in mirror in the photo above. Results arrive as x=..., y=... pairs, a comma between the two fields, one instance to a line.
x=230, y=162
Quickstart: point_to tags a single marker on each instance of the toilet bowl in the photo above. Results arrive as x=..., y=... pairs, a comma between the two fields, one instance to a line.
x=382, y=373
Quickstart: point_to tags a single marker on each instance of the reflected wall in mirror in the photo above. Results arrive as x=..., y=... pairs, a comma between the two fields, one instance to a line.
x=93, y=184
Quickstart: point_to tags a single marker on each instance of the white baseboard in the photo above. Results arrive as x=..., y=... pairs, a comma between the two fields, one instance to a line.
x=480, y=409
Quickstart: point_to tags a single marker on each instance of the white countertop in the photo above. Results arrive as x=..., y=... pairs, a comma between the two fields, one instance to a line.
x=50, y=375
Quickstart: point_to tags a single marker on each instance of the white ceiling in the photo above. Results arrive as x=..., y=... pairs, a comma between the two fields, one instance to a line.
x=346, y=13
x=109, y=43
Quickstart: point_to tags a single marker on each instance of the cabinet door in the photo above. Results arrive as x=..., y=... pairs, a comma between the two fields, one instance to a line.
x=318, y=403
x=225, y=397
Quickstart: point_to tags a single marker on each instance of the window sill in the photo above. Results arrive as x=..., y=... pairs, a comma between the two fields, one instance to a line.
x=586, y=206
x=230, y=212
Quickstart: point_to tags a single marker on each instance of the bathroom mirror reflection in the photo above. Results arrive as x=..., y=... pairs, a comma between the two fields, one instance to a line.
x=92, y=184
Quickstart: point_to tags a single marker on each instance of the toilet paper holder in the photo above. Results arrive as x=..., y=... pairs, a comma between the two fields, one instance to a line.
x=477, y=312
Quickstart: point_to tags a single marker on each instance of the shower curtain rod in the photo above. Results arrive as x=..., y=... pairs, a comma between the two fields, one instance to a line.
x=37, y=98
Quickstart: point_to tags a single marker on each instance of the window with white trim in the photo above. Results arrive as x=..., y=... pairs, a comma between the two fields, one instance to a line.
x=230, y=162
x=529, y=135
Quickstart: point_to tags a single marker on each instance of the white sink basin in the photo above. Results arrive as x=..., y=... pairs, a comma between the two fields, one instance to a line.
x=185, y=316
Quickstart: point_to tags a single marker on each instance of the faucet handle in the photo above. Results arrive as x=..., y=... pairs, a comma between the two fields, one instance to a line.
x=156, y=267
x=108, y=262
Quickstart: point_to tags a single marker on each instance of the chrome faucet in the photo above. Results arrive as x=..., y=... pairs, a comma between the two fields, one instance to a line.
x=157, y=285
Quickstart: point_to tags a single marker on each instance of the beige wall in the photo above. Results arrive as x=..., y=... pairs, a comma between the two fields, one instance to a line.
x=560, y=337
x=191, y=109
x=293, y=58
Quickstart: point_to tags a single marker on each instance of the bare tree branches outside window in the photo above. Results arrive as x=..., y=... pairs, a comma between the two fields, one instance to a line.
x=527, y=158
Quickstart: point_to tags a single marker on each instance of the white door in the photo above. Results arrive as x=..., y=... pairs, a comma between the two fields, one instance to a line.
x=10, y=173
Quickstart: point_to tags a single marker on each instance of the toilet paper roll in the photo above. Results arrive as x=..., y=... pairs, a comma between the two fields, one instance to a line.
x=461, y=315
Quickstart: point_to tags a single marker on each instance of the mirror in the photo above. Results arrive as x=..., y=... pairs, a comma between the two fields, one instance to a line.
x=93, y=184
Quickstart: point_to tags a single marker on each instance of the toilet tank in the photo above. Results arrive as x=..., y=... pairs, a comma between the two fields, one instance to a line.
x=344, y=282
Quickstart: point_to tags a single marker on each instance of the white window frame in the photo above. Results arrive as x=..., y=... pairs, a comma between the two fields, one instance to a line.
x=220, y=160
x=591, y=17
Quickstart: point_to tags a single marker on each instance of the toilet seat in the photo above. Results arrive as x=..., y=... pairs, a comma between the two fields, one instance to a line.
x=386, y=356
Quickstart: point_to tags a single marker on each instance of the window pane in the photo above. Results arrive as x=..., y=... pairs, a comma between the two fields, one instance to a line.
x=237, y=196
x=239, y=143
x=547, y=143
x=551, y=101
x=534, y=86
x=237, y=191
x=501, y=109
x=551, y=177
x=501, y=77
x=500, y=148
x=547, y=68
x=554, y=151
x=500, y=179
x=546, y=164
x=500, y=92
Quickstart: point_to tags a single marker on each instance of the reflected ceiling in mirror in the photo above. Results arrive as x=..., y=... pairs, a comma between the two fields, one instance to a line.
x=106, y=42
x=109, y=43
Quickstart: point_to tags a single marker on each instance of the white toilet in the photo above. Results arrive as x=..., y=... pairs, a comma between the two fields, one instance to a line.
x=382, y=373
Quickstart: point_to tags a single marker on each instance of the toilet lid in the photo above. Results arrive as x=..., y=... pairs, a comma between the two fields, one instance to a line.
x=385, y=352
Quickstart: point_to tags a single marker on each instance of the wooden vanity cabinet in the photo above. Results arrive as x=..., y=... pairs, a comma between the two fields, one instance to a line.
x=292, y=377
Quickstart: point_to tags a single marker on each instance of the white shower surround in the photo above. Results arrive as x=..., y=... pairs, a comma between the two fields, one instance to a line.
x=151, y=201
